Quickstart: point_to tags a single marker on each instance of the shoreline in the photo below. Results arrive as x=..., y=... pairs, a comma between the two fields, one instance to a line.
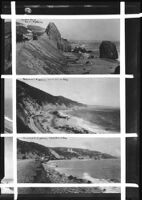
x=37, y=172
x=53, y=166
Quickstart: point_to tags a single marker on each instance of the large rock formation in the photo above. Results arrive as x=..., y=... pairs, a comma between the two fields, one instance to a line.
x=54, y=35
x=108, y=50
x=65, y=45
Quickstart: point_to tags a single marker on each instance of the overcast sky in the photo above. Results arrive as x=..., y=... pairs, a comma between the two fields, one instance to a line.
x=8, y=88
x=104, y=145
x=84, y=29
x=8, y=158
x=90, y=91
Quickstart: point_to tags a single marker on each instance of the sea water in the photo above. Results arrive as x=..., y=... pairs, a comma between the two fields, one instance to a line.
x=94, y=46
x=94, y=170
x=107, y=119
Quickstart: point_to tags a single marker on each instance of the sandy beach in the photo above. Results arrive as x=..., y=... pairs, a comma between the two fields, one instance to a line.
x=89, y=64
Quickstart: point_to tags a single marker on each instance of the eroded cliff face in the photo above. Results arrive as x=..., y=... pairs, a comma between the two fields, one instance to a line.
x=54, y=35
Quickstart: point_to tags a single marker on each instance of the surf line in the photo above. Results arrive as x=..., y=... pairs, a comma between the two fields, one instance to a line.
x=8, y=119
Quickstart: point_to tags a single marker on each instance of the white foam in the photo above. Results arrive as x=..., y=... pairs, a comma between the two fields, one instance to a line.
x=8, y=119
x=94, y=180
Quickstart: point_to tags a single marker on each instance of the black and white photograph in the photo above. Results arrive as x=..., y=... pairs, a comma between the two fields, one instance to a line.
x=70, y=100
x=68, y=160
x=68, y=46
x=7, y=165
x=7, y=47
x=8, y=106
x=74, y=105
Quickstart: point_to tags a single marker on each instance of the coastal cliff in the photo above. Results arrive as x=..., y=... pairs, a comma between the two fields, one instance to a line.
x=45, y=51
x=38, y=111
x=54, y=35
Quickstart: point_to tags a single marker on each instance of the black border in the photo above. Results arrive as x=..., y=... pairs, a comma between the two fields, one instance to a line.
x=1, y=158
x=98, y=196
x=2, y=107
x=75, y=7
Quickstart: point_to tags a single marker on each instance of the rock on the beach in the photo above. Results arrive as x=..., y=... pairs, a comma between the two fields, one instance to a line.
x=54, y=35
x=108, y=50
x=117, y=70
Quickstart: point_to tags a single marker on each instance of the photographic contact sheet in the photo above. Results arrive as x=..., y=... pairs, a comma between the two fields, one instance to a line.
x=70, y=100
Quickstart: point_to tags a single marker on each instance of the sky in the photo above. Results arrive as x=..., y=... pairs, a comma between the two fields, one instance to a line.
x=84, y=29
x=8, y=88
x=104, y=145
x=8, y=158
x=90, y=91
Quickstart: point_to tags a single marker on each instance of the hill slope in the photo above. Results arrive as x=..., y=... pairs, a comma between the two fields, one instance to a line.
x=34, y=150
x=25, y=91
x=43, y=55
x=36, y=107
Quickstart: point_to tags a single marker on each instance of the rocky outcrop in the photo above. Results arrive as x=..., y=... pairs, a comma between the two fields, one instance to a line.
x=53, y=33
x=55, y=36
x=108, y=50
x=65, y=45
x=80, y=50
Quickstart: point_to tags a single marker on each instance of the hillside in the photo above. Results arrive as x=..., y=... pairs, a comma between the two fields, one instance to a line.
x=42, y=55
x=33, y=150
x=38, y=111
x=25, y=91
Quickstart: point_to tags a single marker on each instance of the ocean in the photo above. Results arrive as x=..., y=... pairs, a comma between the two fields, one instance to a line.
x=107, y=119
x=94, y=46
x=94, y=170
